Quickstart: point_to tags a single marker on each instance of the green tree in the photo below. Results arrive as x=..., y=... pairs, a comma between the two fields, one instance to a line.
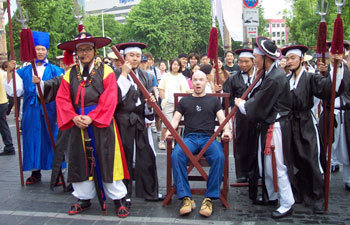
x=170, y=27
x=50, y=16
x=303, y=21
x=112, y=29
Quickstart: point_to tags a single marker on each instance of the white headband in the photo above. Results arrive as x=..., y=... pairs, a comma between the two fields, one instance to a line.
x=246, y=54
x=257, y=51
x=132, y=49
x=295, y=51
x=85, y=43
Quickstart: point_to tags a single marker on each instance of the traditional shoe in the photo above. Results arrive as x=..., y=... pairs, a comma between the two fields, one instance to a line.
x=8, y=153
x=80, y=206
x=318, y=209
x=121, y=210
x=33, y=180
x=242, y=180
x=277, y=215
x=334, y=168
x=206, y=208
x=160, y=198
x=187, y=206
x=128, y=203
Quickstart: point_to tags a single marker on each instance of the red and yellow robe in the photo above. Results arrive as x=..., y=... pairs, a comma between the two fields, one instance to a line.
x=98, y=100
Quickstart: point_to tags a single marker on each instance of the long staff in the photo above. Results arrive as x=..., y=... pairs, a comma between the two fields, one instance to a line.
x=28, y=54
x=337, y=49
x=15, y=95
x=321, y=53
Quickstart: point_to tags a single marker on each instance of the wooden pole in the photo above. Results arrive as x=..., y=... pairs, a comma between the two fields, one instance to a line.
x=15, y=95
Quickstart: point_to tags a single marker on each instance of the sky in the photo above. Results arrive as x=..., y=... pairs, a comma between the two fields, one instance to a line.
x=273, y=8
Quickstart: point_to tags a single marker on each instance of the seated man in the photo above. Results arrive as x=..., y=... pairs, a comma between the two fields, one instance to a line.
x=199, y=111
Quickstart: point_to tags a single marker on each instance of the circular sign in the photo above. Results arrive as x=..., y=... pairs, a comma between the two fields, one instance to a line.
x=250, y=3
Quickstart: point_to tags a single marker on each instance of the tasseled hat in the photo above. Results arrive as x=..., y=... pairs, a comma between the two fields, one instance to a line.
x=81, y=38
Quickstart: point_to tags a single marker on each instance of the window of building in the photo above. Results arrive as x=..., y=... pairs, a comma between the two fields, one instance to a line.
x=273, y=25
x=282, y=25
x=267, y=25
x=278, y=42
x=278, y=34
x=278, y=25
x=273, y=34
x=282, y=33
x=283, y=42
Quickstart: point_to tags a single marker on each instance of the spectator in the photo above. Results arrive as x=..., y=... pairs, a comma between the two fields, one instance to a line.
x=230, y=65
x=184, y=60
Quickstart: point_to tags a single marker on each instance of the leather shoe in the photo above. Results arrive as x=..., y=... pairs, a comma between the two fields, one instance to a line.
x=347, y=186
x=128, y=203
x=277, y=215
x=8, y=153
x=261, y=201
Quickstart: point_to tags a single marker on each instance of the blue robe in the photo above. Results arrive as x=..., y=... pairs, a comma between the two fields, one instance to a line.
x=37, y=149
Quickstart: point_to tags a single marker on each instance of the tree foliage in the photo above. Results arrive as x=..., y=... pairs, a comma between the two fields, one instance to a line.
x=170, y=27
x=303, y=21
x=112, y=29
x=50, y=16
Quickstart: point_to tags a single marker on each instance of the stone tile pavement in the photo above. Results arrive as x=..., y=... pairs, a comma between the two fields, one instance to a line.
x=37, y=204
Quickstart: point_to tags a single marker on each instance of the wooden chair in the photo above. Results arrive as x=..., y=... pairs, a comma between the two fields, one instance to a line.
x=169, y=184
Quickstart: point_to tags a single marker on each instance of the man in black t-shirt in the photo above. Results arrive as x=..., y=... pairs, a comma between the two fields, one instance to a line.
x=199, y=111
x=230, y=65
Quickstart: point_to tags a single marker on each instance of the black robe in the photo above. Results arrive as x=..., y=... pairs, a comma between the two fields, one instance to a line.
x=131, y=123
x=245, y=132
x=62, y=143
x=309, y=184
x=272, y=98
x=344, y=94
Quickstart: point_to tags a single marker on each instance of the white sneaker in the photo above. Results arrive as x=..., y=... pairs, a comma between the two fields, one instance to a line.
x=161, y=145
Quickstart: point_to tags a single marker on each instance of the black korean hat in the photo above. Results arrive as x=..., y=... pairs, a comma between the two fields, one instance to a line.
x=268, y=47
x=123, y=46
x=99, y=42
x=302, y=48
x=239, y=51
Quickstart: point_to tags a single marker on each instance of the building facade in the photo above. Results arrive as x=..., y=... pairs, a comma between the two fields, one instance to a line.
x=278, y=32
x=3, y=48
x=119, y=8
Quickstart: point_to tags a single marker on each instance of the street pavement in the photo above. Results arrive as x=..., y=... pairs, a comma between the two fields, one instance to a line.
x=37, y=204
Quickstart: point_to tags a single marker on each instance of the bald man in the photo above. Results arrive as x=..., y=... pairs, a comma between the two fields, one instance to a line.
x=199, y=111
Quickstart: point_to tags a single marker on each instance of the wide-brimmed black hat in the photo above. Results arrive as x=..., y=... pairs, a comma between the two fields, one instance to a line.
x=346, y=45
x=268, y=47
x=123, y=46
x=82, y=37
x=302, y=48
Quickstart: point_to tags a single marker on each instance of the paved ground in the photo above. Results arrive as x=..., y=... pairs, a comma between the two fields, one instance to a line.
x=38, y=205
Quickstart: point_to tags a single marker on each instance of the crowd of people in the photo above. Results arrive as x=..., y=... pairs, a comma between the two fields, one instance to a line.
x=102, y=122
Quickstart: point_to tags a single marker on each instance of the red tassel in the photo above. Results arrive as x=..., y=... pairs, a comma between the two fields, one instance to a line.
x=68, y=58
x=27, y=48
x=338, y=36
x=213, y=43
x=322, y=38
x=81, y=28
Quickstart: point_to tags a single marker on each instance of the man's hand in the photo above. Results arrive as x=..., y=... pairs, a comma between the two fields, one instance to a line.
x=238, y=101
x=36, y=79
x=126, y=68
x=227, y=134
x=82, y=121
x=167, y=133
x=322, y=67
x=218, y=88
x=151, y=99
x=11, y=66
